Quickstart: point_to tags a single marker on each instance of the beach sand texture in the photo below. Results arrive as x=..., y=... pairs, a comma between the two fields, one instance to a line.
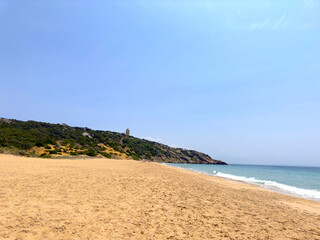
x=124, y=199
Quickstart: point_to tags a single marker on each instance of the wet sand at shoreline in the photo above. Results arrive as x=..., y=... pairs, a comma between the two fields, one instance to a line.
x=125, y=199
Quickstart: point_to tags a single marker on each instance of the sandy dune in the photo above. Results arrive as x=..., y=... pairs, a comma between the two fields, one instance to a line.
x=122, y=199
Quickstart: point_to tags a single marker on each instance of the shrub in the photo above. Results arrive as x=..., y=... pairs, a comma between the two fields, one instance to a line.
x=107, y=155
x=90, y=152
x=47, y=147
x=22, y=153
x=148, y=156
x=50, y=141
x=53, y=152
x=116, y=149
x=39, y=144
x=135, y=157
x=43, y=155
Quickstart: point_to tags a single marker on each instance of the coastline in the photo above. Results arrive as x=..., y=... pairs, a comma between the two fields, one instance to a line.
x=266, y=187
x=126, y=199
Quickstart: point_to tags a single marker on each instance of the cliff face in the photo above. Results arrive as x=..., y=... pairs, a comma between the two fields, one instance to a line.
x=60, y=140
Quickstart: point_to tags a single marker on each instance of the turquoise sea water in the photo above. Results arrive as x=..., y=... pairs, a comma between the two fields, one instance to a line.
x=298, y=181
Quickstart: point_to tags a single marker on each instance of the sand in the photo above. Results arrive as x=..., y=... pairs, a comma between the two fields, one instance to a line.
x=125, y=199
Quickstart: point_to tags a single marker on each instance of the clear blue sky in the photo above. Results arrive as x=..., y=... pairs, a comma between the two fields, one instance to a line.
x=239, y=80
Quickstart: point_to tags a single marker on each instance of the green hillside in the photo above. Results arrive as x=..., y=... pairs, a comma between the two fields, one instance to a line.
x=31, y=138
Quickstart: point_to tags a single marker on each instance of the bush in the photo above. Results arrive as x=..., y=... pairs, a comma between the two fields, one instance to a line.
x=47, y=147
x=22, y=153
x=39, y=144
x=74, y=154
x=148, y=156
x=134, y=157
x=43, y=155
x=50, y=141
x=90, y=152
x=132, y=154
x=53, y=152
x=107, y=155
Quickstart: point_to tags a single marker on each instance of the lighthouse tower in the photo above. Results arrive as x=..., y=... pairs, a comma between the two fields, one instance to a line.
x=127, y=132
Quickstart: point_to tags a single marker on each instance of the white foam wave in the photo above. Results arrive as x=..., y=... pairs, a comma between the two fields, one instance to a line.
x=307, y=193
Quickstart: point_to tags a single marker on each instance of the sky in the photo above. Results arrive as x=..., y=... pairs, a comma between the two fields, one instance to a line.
x=238, y=80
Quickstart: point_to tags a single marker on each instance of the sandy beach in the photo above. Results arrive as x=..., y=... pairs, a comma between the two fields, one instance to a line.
x=126, y=199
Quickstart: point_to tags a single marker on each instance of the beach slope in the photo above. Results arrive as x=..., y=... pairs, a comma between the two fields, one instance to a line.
x=126, y=199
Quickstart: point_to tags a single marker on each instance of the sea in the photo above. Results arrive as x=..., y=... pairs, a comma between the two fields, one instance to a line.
x=301, y=182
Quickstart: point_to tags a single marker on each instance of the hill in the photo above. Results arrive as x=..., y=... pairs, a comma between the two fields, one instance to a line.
x=31, y=138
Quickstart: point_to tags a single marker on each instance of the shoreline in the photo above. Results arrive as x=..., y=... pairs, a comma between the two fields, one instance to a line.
x=266, y=187
x=251, y=185
x=127, y=199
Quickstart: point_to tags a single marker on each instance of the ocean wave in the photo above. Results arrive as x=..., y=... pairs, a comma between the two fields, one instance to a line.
x=307, y=193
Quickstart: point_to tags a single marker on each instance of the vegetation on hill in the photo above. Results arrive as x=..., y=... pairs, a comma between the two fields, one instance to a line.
x=47, y=140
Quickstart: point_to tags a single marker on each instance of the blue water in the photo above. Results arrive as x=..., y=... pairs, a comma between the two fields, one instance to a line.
x=298, y=181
